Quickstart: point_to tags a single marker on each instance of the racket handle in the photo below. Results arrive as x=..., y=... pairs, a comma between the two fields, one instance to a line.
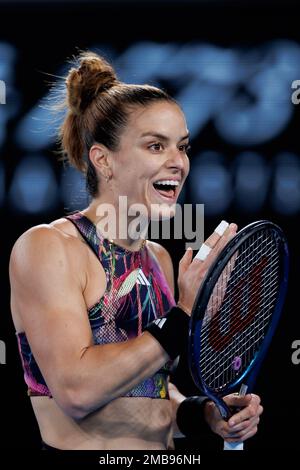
x=236, y=445
x=233, y=445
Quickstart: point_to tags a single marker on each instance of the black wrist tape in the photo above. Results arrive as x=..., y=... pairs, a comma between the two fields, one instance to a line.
x=190, y=417
x=171, y=331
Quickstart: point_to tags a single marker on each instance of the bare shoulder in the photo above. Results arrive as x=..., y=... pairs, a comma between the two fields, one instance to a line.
x=165, y=261
x=37, y=237
x=44, y=262
x=44, y=242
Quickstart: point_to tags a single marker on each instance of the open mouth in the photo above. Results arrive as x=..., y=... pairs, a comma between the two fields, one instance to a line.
x=166, y=188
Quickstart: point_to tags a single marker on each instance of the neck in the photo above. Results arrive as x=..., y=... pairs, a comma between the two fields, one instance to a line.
x=114, y=223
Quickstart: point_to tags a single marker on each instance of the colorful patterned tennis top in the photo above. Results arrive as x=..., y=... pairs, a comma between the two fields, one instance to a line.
x=136, y=294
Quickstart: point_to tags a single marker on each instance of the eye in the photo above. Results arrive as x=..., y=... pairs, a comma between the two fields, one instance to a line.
x=156, y=147
x=185, y=148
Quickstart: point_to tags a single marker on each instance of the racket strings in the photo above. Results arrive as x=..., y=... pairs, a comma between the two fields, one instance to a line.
x=232, y=329
x=223, y=286
x=245, y=354
x=233, y=298
x=256, y=323
x=239, y=303
x=234, y=323
x=236, y=298
x=243, y=267
x=247, y=343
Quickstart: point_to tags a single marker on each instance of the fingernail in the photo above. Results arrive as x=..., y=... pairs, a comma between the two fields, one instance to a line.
x=231, y=423
x=222, y=227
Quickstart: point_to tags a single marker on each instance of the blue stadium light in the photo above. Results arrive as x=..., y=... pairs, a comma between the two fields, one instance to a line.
x=200, y=103
x=8, y=55
x=210, y=183
x=10, y=103
x=245, y=92
x=285, y=56
x=73, y=190
x=262, y=108
x=33, y=189
x=285, y=196
x=252, y=175
x=212, y=64
x=36, y=130
x=143, y=61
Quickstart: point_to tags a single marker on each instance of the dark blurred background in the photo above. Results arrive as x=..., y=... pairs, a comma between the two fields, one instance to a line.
x=231, y=66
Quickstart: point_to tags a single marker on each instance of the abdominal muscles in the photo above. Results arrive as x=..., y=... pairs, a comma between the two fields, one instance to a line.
x=124, y=423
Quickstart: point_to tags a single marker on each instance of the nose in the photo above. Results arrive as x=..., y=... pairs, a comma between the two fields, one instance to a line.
x=177, y=160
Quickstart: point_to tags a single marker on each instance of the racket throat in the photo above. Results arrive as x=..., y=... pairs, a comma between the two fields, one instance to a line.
x=243, y=390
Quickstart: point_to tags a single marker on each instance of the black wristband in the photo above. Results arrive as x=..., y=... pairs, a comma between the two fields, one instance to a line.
x=190, y=417
x=171, y=331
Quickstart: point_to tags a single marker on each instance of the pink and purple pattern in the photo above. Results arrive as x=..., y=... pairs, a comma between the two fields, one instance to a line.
x=136, y=294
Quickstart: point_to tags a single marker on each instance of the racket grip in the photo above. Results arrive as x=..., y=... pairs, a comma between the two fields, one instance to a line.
x=233, y=445
x=236, y=445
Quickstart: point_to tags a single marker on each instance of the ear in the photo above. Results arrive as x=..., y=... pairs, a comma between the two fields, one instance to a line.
x=100, y=158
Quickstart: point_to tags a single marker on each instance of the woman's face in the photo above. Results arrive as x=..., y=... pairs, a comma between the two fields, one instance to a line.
x=151, y=163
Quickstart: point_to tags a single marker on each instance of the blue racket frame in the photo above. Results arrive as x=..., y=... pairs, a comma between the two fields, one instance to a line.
x=249, y=375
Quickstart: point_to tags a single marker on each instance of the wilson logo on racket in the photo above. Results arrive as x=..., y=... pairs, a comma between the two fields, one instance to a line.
x=238, y=322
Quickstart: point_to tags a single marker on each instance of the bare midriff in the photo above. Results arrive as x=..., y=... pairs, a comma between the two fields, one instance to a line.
x=124, y=423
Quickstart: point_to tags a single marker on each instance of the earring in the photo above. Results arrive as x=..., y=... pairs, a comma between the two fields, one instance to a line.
x=107, y=178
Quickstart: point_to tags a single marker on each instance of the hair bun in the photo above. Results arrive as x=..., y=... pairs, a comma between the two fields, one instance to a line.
x=92, y=76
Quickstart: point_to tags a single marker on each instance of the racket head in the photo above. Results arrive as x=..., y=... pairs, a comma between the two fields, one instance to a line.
x=221, y=355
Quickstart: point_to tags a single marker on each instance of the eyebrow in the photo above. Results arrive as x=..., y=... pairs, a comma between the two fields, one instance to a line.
x=163, y=137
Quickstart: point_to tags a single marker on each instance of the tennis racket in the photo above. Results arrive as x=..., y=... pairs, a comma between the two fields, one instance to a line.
x=236, y=312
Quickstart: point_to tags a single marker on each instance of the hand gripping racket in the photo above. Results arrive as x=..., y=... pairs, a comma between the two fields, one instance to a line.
x=236, y=312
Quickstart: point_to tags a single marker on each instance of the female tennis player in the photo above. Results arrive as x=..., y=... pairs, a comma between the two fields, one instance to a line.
x=92, y=303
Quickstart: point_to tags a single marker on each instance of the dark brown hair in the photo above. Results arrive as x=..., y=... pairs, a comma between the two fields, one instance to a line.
x=98, y=107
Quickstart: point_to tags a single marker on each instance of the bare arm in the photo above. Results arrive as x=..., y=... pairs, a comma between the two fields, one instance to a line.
x=48, y=291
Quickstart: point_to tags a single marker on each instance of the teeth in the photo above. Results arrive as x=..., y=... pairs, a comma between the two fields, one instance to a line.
x=168, y=182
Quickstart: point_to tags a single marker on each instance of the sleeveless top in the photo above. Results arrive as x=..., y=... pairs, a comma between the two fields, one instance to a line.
x=136, y=294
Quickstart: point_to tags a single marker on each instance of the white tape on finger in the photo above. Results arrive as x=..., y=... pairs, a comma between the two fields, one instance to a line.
x=203, y=252
x=222, y=227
